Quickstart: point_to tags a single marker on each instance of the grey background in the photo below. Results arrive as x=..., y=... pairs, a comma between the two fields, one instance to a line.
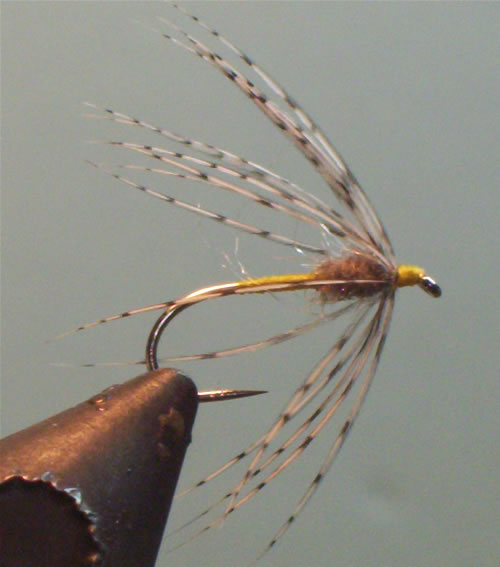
x=409, y=94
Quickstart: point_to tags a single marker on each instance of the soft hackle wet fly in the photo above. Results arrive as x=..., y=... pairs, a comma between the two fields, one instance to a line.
x=359, y=281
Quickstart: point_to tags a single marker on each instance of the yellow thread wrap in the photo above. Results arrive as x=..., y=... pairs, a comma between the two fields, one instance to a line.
x=282, y=278
x=409, y=275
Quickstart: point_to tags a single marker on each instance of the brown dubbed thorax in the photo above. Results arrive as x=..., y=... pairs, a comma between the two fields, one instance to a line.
x=364, y=276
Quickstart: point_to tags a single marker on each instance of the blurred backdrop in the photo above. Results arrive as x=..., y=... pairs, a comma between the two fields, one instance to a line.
x=408, y=93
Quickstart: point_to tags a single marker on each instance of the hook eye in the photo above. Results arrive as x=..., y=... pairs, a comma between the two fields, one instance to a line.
x=430, y=286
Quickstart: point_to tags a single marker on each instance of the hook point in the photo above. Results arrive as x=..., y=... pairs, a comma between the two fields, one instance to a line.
x=223, y=395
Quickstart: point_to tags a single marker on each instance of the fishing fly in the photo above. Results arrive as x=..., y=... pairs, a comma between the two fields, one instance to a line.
x=353, y=276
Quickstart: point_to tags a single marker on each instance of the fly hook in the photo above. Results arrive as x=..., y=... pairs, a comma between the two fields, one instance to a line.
x=152, y=360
